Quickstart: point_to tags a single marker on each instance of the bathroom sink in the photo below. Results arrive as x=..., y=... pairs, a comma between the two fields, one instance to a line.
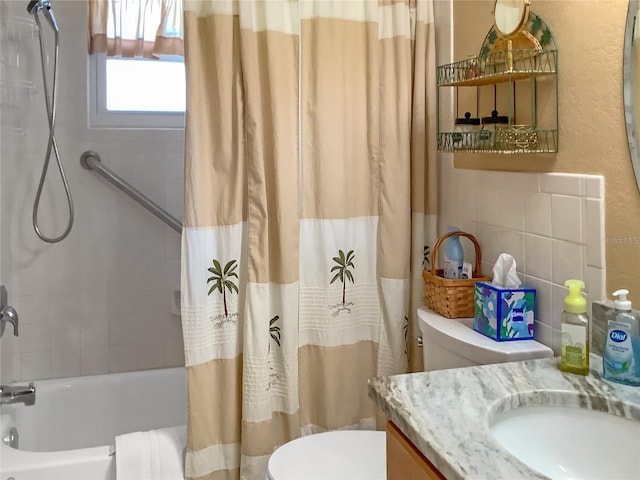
x=571, y=443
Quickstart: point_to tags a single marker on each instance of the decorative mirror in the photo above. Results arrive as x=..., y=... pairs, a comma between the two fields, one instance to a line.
x=631, y=82
x=509, y=16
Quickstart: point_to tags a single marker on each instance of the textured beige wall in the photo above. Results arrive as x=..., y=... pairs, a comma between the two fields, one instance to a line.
x=590, y=37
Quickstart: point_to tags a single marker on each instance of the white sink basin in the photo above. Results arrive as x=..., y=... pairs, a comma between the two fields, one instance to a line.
x=571, y=443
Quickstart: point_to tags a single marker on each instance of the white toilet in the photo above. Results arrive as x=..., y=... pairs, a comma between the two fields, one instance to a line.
x=360, y=454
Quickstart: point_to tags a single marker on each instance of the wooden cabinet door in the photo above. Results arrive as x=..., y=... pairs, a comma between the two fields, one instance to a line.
x=404, y=461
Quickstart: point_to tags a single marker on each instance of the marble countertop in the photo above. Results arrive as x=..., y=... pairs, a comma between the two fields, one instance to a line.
x=447, y=413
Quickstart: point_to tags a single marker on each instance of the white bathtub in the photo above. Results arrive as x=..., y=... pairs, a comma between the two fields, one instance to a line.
x=69, y=433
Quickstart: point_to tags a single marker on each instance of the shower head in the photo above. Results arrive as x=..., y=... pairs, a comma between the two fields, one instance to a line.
x=45, y=7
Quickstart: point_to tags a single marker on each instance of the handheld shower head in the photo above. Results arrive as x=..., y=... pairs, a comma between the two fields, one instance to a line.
x=45, y=7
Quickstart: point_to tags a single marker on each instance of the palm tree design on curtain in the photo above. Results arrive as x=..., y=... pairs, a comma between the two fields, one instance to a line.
x=274, y=333
x=344, y=262
x=405, y=330
x=221, y=281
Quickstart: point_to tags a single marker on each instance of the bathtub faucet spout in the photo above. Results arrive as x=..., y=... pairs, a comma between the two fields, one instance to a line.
x=18, y=394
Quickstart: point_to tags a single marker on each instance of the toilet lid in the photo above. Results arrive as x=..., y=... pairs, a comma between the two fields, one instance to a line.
x=341, y=454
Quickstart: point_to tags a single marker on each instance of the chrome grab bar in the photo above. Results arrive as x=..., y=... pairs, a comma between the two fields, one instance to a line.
x=91, y=161
x=18, y=394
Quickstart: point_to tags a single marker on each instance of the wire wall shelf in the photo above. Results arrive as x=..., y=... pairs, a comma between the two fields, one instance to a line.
x=515, y=139
x=498, y=67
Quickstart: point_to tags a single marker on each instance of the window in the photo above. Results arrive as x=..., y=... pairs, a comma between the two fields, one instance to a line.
x=132, y=92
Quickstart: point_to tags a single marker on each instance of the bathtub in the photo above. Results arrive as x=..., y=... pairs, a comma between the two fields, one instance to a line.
x=69, y=433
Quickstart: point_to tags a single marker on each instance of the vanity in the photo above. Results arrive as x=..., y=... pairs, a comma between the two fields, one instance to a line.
x=446, y=423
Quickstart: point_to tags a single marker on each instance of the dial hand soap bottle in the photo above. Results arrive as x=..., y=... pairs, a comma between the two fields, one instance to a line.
x=575, y=331
x=621, y=358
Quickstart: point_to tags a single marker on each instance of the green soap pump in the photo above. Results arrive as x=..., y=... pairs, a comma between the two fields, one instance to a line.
x=575, y=330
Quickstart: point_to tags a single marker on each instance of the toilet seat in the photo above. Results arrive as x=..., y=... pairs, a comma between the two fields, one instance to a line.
x=341, y=454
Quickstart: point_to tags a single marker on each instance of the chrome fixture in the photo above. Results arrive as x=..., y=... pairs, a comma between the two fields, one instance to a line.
x=7, y=313
x=91, y=161
x=43, y=6
x=12, y=439
x=34, y=7
x=18, y=394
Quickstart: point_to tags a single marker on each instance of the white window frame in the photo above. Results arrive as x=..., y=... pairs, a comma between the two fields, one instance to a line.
x=100, y=117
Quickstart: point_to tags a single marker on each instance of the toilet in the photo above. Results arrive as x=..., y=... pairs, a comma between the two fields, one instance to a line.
x=361, y=454
x=453, y=343
x=340, y=454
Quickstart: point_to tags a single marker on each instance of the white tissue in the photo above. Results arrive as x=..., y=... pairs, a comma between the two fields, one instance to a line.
x=504, y=272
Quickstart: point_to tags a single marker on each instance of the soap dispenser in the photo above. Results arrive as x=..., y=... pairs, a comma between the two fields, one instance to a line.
x=575, y=330
x=621, y=358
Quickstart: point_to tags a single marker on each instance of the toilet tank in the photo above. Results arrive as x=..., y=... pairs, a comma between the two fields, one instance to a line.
x=452, y=343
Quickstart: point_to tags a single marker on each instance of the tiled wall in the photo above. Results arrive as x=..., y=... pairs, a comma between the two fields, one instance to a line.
x=552, y=224
x=99, y=301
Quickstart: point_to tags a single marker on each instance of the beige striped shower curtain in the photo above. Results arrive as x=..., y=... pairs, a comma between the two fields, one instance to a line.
x=309, y=198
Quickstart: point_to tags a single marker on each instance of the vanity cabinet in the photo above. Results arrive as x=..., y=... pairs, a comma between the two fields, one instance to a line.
x=404, y=461
x=512, y=80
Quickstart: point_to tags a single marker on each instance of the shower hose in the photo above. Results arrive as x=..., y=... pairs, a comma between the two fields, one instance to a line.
x=52, y=147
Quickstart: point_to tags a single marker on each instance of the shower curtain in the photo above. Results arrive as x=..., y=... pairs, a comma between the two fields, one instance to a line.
x=309, y=200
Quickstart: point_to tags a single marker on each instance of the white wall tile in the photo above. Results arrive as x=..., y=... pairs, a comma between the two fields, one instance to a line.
x=123, y=358
x=543, y=299
x=151, y=355
x=567, y=261
x=467, y=177
x=595, y=233
x=563, y=184
x=543, y=333
x=65, y=363
x=556, y=345
x=32, y=308
x=94, y=360
x=522, y=182
x=34, y=337
x=174, y=351
x=595, y=186
x=489, y=211
x=558, y=294
x=450, y=207
x=537, y=256
x=468, y=203
x=95, y=334
x=566, y=218
x=596, y=283
x=513, y=244
x=512, y=208
x=489, y=238
x=537, y=213
x=446, y=171
x=35, y=365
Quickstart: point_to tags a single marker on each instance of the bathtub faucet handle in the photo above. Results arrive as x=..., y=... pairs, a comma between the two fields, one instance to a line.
x=7, y=313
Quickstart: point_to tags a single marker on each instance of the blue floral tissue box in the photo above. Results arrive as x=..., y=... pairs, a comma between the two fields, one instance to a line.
x=504, y=314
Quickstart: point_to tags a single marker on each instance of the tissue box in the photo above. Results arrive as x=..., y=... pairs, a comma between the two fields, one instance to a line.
x=504, y=313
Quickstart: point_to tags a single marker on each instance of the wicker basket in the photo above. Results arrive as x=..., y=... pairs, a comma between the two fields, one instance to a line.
x=452, y=298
